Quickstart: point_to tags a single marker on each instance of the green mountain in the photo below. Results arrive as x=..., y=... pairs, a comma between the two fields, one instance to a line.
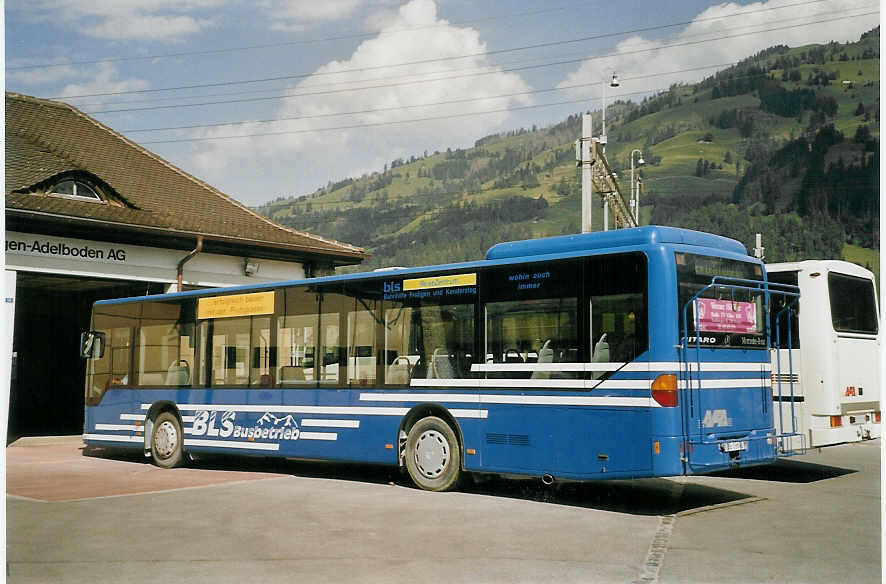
x=785, y=143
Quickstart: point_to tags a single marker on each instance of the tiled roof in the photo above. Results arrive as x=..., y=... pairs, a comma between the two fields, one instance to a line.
x=45, y=138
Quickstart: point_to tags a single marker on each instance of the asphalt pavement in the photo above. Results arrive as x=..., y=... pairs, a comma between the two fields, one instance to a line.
x=112, y=517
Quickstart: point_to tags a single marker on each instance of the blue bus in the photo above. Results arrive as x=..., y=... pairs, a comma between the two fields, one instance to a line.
x=638, y=352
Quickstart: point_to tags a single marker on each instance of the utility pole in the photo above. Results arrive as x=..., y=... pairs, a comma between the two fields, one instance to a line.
x=758, y=247
x=597, y=175
x=585, y=160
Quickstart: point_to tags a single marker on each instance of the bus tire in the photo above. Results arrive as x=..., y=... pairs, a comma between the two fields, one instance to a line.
x=433, y=455
x=166, y=441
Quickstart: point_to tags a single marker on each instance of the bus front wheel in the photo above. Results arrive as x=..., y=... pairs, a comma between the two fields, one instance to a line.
x=433, y=456
x=166, y=441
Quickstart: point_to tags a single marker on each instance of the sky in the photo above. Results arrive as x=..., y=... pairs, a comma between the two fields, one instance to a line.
x=275, y=98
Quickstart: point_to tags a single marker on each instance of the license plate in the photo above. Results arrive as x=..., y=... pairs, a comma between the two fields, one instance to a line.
x=733, y=446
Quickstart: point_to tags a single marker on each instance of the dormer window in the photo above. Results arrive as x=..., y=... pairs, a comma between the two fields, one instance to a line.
x=75, y=190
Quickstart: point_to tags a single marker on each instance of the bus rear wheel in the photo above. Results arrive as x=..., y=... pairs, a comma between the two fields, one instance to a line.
x=166, y=441
x=433, y=456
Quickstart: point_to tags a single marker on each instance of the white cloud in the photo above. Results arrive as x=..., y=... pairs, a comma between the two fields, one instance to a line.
x=40, y=75
x=299, y=14
x=305, y=160
x=102, y=81
x=710, y=40
x=123, y=19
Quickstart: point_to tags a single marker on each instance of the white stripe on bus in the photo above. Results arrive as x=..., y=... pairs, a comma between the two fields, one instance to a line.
x=316, y=423
x=130, y=427
x=723, y=383
x=705, y=367
x=133, y=417
x=318, y=436
x=323, y=410
x=556, y=367
x=511, y=399
x=233, y=444
x=566, y=384
x=629, y=367
x=113, y=438
x=502, y=383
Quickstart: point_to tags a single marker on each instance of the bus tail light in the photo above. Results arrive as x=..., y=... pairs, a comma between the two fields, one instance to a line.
x=664, y=390
x=836, y=421
x=877, y=417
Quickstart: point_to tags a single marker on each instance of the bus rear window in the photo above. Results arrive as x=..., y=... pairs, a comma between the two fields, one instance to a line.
x=853, y=306
x=724, y=315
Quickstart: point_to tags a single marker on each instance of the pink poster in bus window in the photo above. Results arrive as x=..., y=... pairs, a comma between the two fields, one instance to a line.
x=725, y=316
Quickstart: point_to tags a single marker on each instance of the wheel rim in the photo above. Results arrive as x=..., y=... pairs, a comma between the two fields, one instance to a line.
x=165, y=439
x=431, y=454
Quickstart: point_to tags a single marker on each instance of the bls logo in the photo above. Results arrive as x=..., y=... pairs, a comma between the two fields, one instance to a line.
x=716, y=418
x=391, y=287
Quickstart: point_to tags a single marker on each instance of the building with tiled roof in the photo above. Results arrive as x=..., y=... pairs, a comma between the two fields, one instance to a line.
x=143, y=196
x=91, y=214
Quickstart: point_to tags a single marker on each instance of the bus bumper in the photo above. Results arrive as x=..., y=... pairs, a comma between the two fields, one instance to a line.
x=820, y=435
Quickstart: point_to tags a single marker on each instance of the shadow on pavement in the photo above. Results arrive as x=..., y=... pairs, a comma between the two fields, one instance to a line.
x=636, y=497
x=788, y=471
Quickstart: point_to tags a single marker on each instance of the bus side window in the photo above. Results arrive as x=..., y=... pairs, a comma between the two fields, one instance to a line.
x=164, y=348
x=332, y=360
x=230, y=351
x=264, y=353
x=297, y=339
x=778, y=327
x=361, y=343
x=531, y=314
x=118, y=322
x=618, y=306
x=427, y=339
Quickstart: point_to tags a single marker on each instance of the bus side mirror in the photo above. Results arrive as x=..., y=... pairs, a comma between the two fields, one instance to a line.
x=92, y=345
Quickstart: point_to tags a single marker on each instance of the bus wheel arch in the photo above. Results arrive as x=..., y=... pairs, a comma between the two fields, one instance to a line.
x=430, y=432
x=164, y=435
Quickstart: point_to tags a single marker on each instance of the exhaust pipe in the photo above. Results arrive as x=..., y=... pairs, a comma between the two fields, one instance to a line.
x=547, y=479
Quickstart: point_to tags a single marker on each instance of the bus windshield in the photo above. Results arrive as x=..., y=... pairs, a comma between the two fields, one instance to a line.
x=853, y=306
x=725, y=316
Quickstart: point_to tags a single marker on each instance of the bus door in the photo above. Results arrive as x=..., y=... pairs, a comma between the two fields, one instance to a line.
x=724, y=386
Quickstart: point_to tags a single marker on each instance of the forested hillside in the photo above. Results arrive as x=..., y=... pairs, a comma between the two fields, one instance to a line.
x=785, y=143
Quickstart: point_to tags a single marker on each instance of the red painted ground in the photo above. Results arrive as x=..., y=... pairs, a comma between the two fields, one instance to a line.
x=60, y=472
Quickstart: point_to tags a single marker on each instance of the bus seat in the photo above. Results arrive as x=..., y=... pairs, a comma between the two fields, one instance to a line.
x=441, y=366
x=179, y=373
x=397, y=374
x=545, y=355
x=601, y=355
x=291, y=374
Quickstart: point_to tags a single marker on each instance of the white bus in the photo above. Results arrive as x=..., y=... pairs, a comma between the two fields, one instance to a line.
x=826, y=387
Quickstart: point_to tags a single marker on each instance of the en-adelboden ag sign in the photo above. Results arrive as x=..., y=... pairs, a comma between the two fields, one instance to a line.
x=51, y=254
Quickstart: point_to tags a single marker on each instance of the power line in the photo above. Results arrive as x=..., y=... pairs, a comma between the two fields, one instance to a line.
x=292, y=43
x=321, y=86
x=437, y=59
x=393, y=122
x=367, y=125
x=430, y=104
x=480, y=74
x=154, y=100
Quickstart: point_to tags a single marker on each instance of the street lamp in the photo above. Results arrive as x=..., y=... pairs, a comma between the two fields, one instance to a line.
x=635, y=198
x=612, y=83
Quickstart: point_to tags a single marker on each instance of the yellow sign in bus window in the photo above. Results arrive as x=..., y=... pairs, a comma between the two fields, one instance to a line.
x=440, y=282
x=236, y=305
